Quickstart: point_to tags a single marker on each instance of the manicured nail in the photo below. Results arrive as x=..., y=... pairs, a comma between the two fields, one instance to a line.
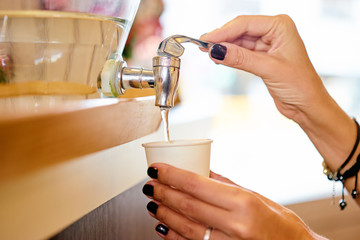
x=218, y=52
x=162, y=229
x=152, y=207
x=152, y=172
x=148, y=190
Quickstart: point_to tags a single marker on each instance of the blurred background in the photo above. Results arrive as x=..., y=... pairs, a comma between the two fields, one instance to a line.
x=254, y=145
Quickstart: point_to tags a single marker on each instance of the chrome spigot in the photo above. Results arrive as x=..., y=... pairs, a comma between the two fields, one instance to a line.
x=164, y=77
x=171, y=46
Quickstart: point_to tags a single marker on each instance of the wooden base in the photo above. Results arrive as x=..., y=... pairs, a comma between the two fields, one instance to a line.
x=38, y=139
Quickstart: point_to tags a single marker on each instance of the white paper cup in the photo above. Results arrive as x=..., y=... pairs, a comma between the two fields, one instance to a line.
x=190, y=154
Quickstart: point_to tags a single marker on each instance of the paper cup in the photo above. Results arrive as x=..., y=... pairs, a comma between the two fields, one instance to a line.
x=190, y=154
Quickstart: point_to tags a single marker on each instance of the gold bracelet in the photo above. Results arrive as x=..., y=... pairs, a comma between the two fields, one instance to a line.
x=332, y=176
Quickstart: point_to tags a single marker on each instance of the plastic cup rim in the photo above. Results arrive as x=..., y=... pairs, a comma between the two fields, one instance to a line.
x=177, y=143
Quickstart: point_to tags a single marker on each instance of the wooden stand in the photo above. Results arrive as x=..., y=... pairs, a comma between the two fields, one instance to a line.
x=57, y=164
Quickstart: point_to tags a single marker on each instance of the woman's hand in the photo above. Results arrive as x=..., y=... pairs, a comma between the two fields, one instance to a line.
x=271, y=48
x=186, y=204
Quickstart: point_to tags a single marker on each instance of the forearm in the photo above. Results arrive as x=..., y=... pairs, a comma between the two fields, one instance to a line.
x=332, y=132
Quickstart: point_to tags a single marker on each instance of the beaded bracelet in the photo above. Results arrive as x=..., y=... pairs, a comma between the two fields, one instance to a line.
x=353, y=171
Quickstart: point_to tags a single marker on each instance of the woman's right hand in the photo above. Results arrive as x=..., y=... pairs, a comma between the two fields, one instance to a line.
x=271, y=48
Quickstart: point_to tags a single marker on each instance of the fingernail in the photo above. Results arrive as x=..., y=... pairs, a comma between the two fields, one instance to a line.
x=218, y=52
x=162, y=229
x=148, y=190
x=152, y=207
x=152, y=172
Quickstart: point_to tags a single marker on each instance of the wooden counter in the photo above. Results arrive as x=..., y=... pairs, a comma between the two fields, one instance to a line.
x=34, y=140
x=59, y=163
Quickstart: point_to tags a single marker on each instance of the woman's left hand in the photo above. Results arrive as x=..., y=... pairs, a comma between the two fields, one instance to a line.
x=187, y=204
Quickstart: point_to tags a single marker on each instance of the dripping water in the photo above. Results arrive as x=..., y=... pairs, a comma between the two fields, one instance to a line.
x=165, y=118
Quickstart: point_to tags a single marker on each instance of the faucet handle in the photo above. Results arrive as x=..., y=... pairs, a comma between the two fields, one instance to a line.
x=171, y=46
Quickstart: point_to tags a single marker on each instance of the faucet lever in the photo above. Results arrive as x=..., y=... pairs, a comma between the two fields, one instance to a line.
x=172, y=47
x=115, y=76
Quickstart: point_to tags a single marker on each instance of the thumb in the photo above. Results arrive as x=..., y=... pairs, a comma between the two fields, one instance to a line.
x=241, y=58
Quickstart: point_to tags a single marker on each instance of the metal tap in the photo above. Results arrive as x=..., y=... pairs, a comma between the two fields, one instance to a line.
x=116, y=77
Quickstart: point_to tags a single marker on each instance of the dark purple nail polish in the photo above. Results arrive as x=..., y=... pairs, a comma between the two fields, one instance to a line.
x=148, y=190
x=162, y=229
x=152, y=207
x=152, y=172
x=218, y=52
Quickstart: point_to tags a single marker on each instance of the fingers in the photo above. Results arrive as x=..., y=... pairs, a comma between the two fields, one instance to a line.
x=179, y=224
x=189, y=206
x=234, y=56
x=180, y=227
x=254, y=26
x=200, y=187
x=187, y=202
x=166, y=233
x=256, y=44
